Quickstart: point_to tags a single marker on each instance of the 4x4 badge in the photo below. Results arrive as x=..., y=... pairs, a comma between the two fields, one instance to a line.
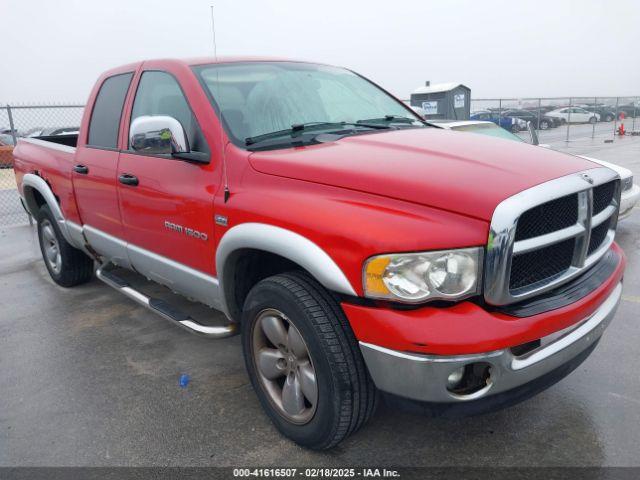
x=587, y=178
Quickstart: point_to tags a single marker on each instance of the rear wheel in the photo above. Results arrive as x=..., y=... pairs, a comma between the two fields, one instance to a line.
x=304, y=361
x=609, y=118
x=544, y=125
x=67, y=265
x=593, y=120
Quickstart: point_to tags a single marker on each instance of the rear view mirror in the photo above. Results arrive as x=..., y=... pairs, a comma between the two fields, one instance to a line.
x=162, y=135
x=158, y=135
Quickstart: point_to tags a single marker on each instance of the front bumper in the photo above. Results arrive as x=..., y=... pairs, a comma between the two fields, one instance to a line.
x=628, y=200
x=424, y=377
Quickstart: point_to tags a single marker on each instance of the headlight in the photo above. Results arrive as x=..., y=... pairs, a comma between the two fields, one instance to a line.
x=627, y=183
x=417, y=277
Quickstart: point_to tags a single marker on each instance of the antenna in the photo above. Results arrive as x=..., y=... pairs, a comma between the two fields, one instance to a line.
x=224, y=156
x=213, y=35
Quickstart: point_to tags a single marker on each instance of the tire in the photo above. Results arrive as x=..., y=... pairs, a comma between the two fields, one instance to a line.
x=345, y=396
x=67, y=265
x=563, y=121
x=609, y=118
x=593, y=120
x=544, y=125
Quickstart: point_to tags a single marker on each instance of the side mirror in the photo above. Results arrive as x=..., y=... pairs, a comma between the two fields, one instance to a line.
x=158, y=135
x=533, y=133
x=162, y=135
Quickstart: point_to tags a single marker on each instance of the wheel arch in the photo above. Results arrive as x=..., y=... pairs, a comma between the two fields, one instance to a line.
x=271, y=250
x=36, y=192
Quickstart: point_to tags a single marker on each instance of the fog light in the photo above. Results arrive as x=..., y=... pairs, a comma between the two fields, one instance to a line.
x=454, y=378
x=473, y=378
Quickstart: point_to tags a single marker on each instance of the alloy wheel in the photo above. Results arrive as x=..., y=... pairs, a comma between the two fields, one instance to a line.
x=51, y=247
x=284, y=366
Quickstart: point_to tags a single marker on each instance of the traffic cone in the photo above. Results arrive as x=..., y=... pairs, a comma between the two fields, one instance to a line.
x=621, y=127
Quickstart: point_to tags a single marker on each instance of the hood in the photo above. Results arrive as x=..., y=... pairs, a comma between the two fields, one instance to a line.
x=460, y=172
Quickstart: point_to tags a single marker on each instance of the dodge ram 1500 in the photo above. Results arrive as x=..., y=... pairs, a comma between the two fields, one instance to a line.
x=358, y=250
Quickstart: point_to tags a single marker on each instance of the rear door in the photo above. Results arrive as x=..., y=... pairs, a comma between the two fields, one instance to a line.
x=168, y=216
x=95, y=167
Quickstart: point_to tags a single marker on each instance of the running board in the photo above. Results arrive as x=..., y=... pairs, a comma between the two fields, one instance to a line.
x=164, y=309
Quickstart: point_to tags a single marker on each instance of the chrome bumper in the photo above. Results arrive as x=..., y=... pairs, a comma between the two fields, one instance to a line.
x=424, y=377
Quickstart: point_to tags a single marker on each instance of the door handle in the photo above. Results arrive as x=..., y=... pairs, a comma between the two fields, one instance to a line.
x=83, y=169
x=128, y=179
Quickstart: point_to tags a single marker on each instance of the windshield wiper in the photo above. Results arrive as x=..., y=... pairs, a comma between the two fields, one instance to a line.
x=298, y=128
x=389, y=119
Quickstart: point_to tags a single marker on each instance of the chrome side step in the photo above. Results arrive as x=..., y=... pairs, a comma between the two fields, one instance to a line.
x=163, y=308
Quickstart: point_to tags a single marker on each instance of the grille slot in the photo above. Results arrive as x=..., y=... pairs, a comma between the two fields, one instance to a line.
x=602, y=196
x=548, y=217
x=541, y=265
x=598, y=234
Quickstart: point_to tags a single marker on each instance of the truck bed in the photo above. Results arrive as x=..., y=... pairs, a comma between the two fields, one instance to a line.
x=70, y=140
x=51, y=158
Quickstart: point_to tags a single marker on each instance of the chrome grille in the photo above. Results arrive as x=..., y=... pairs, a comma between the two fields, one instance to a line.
x=544, y=236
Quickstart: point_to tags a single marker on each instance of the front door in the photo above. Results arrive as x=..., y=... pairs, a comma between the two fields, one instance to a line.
x=167, y=204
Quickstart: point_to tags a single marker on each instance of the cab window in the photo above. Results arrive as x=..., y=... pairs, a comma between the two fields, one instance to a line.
x=160, y=94
x=107, y=110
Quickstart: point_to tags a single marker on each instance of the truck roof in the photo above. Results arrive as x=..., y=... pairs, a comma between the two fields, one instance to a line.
x=189, y=62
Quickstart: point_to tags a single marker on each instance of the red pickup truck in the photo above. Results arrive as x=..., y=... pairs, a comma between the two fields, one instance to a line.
x=356, y=248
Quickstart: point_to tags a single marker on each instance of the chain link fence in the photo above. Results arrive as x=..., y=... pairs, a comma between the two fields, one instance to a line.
x=563, y=118
x=557, y=119
x=18, y=121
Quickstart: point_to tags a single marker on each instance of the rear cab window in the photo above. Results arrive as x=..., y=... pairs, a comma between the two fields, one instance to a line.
x=107, y=110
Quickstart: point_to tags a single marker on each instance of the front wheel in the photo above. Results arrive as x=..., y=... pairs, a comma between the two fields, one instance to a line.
x=304, y=361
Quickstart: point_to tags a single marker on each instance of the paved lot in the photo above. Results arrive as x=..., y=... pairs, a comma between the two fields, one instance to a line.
x=11, y=212
x=89, y=378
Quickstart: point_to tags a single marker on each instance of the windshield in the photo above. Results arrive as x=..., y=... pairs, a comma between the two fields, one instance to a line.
x=265, y=97
x=490, y=129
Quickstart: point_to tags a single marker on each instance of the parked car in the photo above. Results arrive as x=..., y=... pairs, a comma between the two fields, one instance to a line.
x=356, y=248
x=543, y=111
x=6, y=151
x=630, y=193
x=542, y=122
x=574, y=115
x=607, y=114
x=512, y=124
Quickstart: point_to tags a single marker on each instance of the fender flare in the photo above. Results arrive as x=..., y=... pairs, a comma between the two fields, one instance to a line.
x=287, y=244
x=33, y=181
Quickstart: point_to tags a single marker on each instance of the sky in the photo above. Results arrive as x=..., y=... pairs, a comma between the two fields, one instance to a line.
x=54, y=50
